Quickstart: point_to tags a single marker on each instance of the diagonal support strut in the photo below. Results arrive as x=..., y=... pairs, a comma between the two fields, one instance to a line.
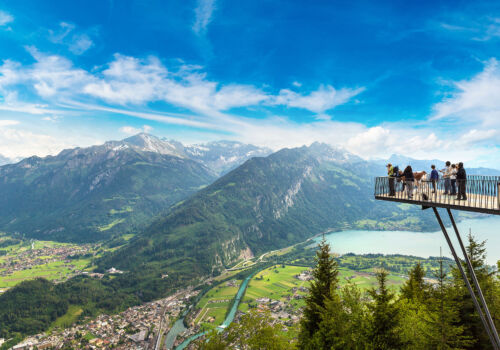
x=474, y=280
x=486, y=325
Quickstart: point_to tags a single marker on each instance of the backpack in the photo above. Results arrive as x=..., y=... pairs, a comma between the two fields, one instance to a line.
x=395, y=171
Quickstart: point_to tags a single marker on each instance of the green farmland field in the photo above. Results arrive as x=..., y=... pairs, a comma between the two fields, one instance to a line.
x=215, y=303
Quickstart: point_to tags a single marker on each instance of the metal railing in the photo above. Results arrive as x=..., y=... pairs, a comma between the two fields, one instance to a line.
x=481, y=192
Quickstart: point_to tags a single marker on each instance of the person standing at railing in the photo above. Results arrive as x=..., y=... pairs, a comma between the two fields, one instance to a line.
x=408, y=176
x=462, y=182
x=453, y=179
x=446, y=177
x=434, y=178
x=390, y=174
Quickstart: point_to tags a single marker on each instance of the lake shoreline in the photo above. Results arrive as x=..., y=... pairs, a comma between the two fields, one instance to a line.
x=421, y=244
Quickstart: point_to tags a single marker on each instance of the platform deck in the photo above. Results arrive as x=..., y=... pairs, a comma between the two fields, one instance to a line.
x=482, y=195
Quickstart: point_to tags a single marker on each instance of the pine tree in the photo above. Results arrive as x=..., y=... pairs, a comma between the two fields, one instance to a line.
x=415, y=287
x=384, y=321
x=445, y=332
x=469, y=318
x=322, y=288
x=413, y=307
x=344, y=321
x=413, y=329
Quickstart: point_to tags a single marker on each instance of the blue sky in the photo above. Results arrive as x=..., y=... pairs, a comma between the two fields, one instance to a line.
x=417, y=78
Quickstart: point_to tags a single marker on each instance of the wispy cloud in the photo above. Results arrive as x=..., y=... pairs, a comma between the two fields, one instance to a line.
x=18, y=142
x=483, y=29
x=319, y=101
x=8, y=122
x=203, y=15
x=76, y=42
x=475, y=100
x=80, y=44
x=5, y=18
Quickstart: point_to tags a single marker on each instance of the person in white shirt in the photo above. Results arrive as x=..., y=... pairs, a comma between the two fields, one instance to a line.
x=453, y=179
x=446, y=177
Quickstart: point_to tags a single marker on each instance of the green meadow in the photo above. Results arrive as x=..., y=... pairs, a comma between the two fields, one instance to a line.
x=70, y=317
x=55, y=270
x=215, y=303
x=275, y=283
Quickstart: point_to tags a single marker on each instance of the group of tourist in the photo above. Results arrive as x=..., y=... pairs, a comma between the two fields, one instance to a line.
x=454, y=177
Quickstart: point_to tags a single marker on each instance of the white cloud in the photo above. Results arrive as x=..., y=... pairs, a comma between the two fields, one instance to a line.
x=49, y=75
x=130, y=80
x=58, y=36
x=10, y=73
x=78, y=43
x=19, y=143
x=133, y=81
x=319, y=101
x=203, y=15
x=476, y=100
x=5, y=18
x=7, y=122
x=52, y=118
x=130, y=130
x=11, y=103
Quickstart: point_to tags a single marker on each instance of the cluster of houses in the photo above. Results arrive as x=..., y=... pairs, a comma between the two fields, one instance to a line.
x=29, y=258
x=135, y=328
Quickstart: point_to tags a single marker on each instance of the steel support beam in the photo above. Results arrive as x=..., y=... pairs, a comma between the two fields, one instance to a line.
x=474, y=280
x=496, y=346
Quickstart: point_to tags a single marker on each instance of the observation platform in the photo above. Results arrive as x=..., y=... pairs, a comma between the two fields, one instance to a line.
x=482, y=196
x=482, y=193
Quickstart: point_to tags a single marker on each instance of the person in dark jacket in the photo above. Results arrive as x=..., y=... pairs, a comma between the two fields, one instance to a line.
x=409, y=178
x=434, y=178
x=462, y=182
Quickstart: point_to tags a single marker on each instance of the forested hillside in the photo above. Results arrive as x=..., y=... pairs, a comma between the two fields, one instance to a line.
x=266, y=203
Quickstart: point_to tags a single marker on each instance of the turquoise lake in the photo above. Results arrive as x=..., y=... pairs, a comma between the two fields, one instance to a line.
x=423, y=244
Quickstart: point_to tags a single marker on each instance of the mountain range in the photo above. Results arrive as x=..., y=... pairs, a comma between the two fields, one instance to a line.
x=219, y=156
x=102, y=192
x=266, y=203
x=91, y=194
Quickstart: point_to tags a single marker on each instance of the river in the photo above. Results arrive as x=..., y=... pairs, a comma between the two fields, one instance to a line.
x=176, y=329
x=172, y=334
x=423, y=244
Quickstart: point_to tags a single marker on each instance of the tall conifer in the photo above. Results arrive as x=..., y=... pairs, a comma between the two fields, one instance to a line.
x=415, y=287
x=385, y=316
x=445, y=331
x=469, y=318
x=322, y=287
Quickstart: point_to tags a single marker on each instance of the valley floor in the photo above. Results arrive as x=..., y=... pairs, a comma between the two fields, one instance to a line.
x=279, y=285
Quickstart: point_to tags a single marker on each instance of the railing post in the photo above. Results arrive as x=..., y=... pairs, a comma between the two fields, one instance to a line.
x=498, y=194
